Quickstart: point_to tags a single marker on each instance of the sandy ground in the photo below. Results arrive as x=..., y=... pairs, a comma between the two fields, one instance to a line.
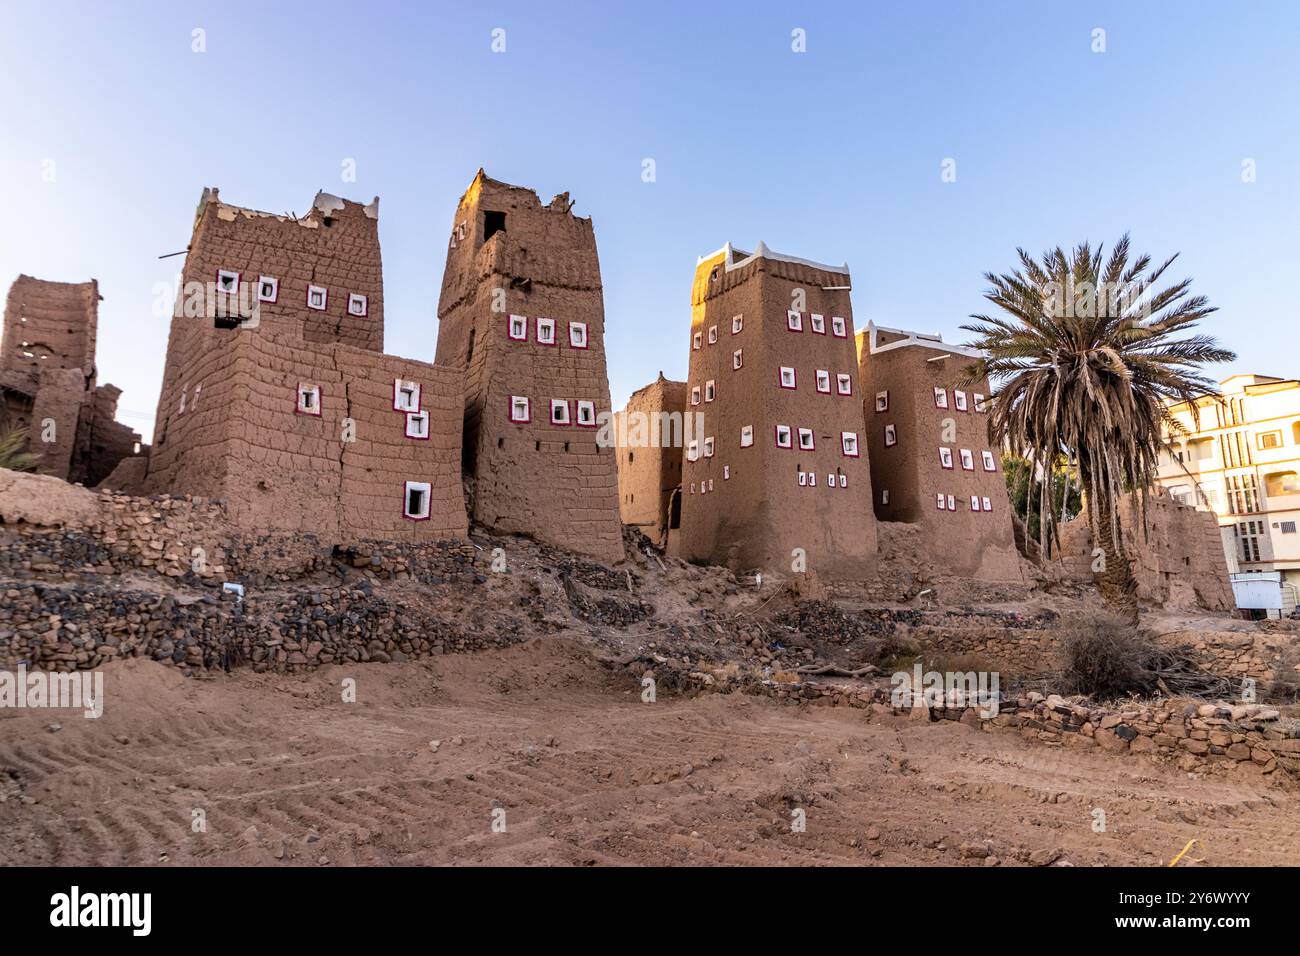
x=284, y=771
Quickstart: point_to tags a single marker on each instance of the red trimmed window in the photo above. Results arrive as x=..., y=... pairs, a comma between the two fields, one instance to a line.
x=940, y=398
x=746, y=436
x=817, y=322
x=807, y=441
x=358, y=305
x=545, y=331
x=786, y=377
x=794, y=321
x=823, y=384
x=959, y=400
x=844, y=383
x=945, y=457
x=967, y=460
x=559, y=411
x=839, y=327
x=783, y=437
x=988, y=505
x=849, y=444
x=990, y=463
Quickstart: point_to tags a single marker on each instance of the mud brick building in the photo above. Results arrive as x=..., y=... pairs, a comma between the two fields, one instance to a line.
x=47, y=375
x=781, y=465
x=931, y=461
x=522, y=314
x=276, y=394
x=650, y=457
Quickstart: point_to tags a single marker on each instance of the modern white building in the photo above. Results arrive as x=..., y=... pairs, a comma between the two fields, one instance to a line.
x=1242, y=461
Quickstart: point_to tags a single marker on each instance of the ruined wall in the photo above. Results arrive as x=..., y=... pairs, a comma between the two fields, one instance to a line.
x=649, y=473
x=749, y=506
x=59, y=322
x=539, y=265
x=919, y=450
x=1178, y=561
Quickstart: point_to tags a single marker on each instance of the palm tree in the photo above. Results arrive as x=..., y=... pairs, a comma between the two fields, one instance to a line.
x=13, y=451
x=1085, y=359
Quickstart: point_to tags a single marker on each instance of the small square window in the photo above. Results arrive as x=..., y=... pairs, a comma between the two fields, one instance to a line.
x=818, y=323
x=990, y=463
x=839, y=328
x=578, y=335
x=981, y=403
x=709, y=391
x=268, y=289
x=884, y=496
x=891, y=436
x=787, y=377
x=586, y=414
x=545, y=331
x=693, y=451
x=844, y=383
x=308, y=399
x=406, y=396
x=692, y=486
x=882, y=401
x=559, y=411
x=713, y=334
x=794, y=321
x=952, y=503
x=317, y=297
x=941, y=502
x=737, y=359
x=803, y=479
x=940, y=398
x=844, y=481
x=695, y=395
x=521, y=411
x=988, y=505
x=227, y=281
x=959, y=400
x=974, y=502
x=812, y=479
x=746, y=436
x=830, y=480
x=823, y=381
x=415, y=500
x=849, y=443
x=697, y=340
x=967, y=460
x=417, y=425
x=358, y=305
x=945, y=457
x=708, y=447
x=726, y=472
x=806, y=440
x=710, y=484
x=783, y=439
x=737, y=323
x=518, y=328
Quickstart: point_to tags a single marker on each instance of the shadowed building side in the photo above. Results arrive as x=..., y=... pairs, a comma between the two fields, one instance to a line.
x=651, y=433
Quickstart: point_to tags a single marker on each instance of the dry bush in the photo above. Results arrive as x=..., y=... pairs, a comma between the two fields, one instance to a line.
x=1105, y=657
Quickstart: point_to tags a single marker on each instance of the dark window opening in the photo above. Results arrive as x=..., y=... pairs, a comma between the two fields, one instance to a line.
x=537, y=446
x=469, y=351
x=675, y=509
x=501, y=443
x=493, y=222
x=414, y=501
x=566, y=446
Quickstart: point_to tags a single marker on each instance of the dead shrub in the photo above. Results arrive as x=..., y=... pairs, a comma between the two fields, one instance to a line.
x=1104, y=657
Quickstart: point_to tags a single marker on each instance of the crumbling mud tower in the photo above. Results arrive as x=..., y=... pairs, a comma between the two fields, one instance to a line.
x=276, y=394
x=777, y=475
x=649, y=459
x=522, y=313
x=47, y=378
x=931, y=462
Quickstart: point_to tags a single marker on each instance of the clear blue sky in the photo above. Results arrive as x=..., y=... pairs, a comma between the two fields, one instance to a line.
x=833, y=154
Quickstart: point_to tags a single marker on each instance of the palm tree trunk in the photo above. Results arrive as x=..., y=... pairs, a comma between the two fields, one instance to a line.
x=1114, y=571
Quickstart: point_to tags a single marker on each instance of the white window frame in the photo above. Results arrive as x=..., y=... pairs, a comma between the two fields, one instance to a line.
x=713, y=334
x=401, y=386
x=516, y=401
x=737, y=360
x=789, y=436
x=793, y=320
x=413, y=429
x=988, y=505
x=708, y=447
x=697, y=341
x=843, y=383
x=586, y=414
x=811, y=443
x=839, y=327
x=981, y=403
x=990, y=463
x=959, y=400
x=746, y=436
x=426, y=490
x=974, y=502
x=274, y=283
x=882, y=401
x=940, y=397
x=564, y=420
x=794, y=378
x=324, y=298
x=952, y=503
x=884, y=496
x=817, y=322
x=549, y=326
x=517, y=328
x=945, y=458
x=312, y=390
x=737, y=324
x=891, y=436
x=848, y=439
x=940, y=501
x=355, y=298
x=693, y=450
x=967, y=459
x=578, y=335
x=823, y=381
x=695, y=395
x=710, y=391
x=233, y=276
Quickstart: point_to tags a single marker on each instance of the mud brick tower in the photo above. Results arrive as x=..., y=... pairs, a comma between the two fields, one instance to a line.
x=47, y=375
x=522, y=313
x=781, y=464
x=931, y=461
x=276, y=396
x=650, y=467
